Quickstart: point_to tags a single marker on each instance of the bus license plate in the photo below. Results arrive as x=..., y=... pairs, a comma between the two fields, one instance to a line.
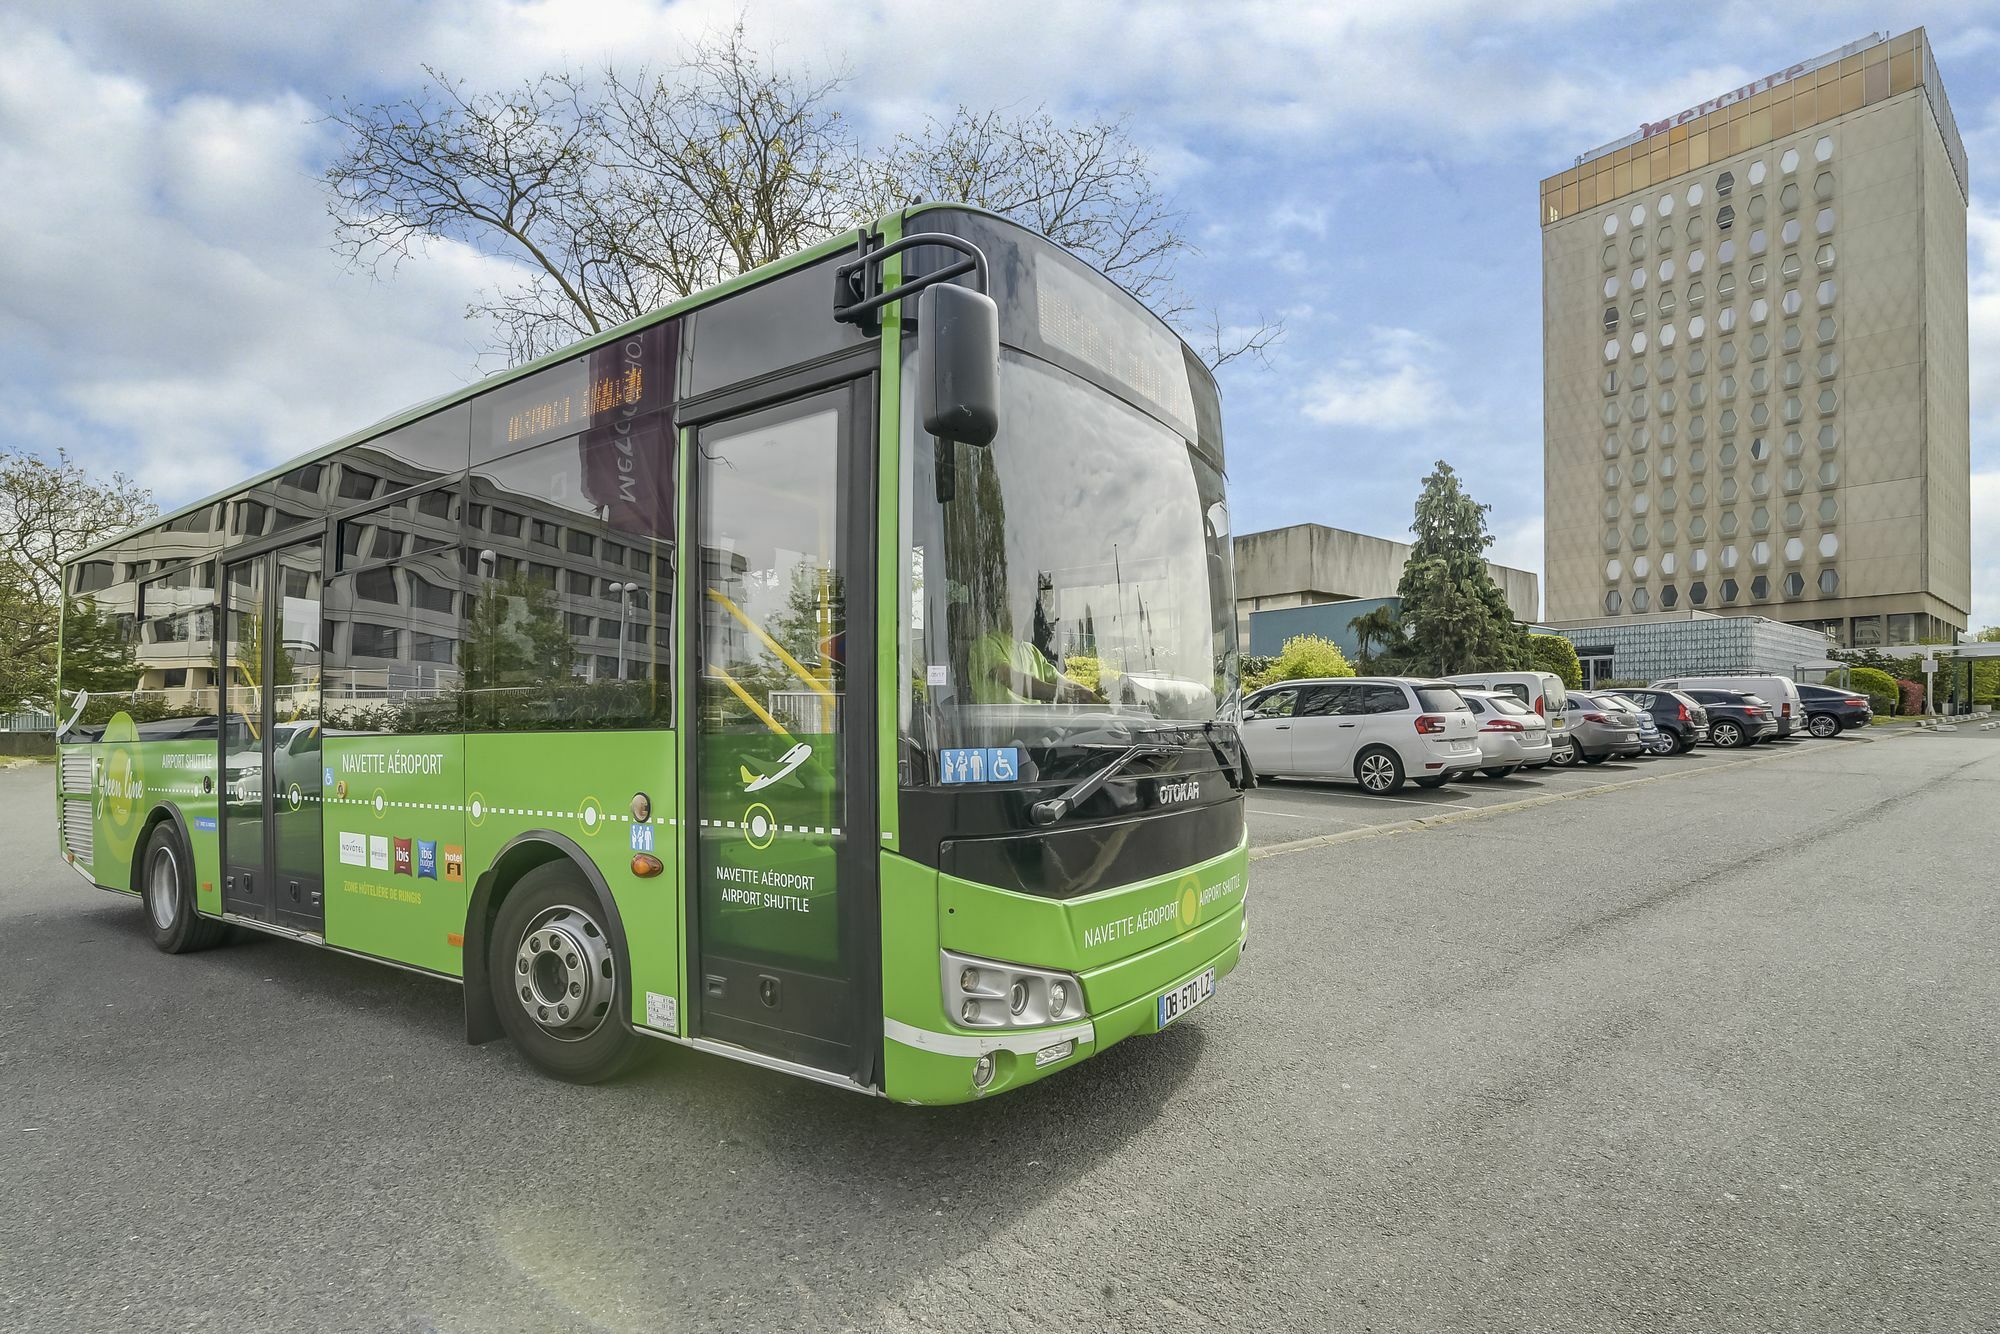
x=1173, y=1004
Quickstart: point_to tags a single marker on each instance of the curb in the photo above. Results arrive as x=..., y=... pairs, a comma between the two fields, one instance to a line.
x=1502, y=808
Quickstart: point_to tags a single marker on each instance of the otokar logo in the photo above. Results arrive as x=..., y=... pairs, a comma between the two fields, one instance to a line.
x=1173, y=794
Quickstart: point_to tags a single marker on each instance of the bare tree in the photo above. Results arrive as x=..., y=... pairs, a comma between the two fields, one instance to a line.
x=1083, y=184
x=620, y=194
x=49, y=512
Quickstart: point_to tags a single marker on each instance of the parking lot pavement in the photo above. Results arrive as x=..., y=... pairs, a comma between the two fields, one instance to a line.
x=1714, y=1052
x=1286, y=810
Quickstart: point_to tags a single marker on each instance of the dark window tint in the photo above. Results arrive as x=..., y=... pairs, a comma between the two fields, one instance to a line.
x=373, y=641
x=1327, y=701
x=781, y=322
x=1440, y=699
x=605, y=390
x=570, y=637
x=1505, y=704
x=411, y=526
x=1386, y=699
x=411, y=455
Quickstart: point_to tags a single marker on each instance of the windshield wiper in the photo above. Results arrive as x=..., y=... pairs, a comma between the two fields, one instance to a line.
x=1055, y=808
x=1234, y=771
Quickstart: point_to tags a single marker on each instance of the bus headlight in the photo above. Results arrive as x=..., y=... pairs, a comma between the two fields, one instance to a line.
x=984, y=993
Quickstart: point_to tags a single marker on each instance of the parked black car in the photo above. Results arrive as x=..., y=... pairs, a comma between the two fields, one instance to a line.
x=1736, y=719
x=1682, y=720
x=1831, y=710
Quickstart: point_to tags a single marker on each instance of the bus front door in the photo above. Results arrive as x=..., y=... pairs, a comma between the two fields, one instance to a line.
x=781, y=804
x=270, y=762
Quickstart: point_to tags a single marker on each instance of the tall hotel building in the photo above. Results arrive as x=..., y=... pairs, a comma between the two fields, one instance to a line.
x=1754, y=342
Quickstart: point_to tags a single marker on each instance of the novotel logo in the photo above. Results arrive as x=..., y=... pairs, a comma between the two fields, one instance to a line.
x=1647, y=129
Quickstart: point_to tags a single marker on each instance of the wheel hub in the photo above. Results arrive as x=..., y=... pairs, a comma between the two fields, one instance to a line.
x=563, y=976
x=163, y=889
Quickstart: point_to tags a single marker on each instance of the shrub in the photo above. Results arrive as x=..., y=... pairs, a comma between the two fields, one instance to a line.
x=1913, y=697
x=1553, y=653
x=1303, y=656
x=1880, y=687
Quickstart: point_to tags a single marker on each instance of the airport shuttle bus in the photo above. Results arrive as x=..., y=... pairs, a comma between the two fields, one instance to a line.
x=835, y=671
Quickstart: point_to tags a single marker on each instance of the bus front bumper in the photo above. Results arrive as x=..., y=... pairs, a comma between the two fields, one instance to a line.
x=942, y=1068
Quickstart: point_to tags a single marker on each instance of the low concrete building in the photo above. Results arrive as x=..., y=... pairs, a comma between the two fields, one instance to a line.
x=1309, y=563
x=1648, y=648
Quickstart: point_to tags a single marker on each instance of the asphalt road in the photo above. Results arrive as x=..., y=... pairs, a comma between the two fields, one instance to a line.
x=1716, y=1051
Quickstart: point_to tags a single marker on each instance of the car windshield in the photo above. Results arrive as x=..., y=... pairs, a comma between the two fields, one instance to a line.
x=1068, y=585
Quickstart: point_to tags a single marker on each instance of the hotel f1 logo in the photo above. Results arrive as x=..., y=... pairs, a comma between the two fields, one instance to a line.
x=402, y=856
x=454, y=863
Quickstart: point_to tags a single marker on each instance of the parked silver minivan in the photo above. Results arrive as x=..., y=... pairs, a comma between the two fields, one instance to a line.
x=1377, y=731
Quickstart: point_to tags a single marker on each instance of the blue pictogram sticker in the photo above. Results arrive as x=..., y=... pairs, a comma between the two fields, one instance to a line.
x=979, y=764
x=204, y=822
x=642, y=836
x=329, y=775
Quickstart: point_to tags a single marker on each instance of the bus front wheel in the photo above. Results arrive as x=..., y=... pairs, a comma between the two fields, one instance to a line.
x=555, y=977
x=166, y=885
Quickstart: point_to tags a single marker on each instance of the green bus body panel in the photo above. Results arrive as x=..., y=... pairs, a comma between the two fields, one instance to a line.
x=1126, y=945
x=412, y=822
x=132, y=780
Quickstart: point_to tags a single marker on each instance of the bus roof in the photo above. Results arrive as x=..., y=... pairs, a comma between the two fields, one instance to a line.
x=687, y=303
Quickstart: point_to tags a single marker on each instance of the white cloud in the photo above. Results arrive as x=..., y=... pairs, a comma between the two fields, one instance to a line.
x=1394, y=386
x=1519, y=545
x=173, y=309
x=1985, y=548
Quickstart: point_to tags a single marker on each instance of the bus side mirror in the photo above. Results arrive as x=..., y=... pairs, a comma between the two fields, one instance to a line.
x=958, y=363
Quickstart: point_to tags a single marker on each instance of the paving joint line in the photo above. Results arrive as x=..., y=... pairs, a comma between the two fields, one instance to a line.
x=1525, y=803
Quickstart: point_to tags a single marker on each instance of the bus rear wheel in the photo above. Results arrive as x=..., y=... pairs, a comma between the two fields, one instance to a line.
x=166, y=886
x=555, y=975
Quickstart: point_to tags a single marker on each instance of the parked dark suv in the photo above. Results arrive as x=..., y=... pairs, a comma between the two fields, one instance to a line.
x=1831, y=710
x=1734, y=718
x=1682, y=719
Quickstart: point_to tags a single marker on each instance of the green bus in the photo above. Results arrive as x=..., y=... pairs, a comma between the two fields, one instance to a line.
x=834, y=670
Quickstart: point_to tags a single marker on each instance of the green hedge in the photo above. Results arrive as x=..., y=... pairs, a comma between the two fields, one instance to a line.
x=1554, y=653
x=1879, y=686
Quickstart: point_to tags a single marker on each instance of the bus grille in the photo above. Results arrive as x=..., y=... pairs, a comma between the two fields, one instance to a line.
x=76, y=828
x=77, y=768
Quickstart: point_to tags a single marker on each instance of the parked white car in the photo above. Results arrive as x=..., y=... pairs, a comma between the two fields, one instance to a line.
x=1377, y=731
x=1781, y=691
x=1512, y=736
x=1541, y=691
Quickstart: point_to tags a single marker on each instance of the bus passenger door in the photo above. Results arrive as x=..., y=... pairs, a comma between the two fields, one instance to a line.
x=271, y=757
x=780, y=808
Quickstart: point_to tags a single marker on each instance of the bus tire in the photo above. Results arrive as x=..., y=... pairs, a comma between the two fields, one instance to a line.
x=166, y=890
x=556, y=977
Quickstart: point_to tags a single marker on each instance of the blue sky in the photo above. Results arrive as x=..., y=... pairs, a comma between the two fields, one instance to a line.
x=173, y=307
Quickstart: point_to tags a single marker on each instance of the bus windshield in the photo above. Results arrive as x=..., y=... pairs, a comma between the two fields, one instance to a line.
x=1068, y=586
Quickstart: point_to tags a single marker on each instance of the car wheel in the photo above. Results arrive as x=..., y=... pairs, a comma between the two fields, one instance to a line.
x=1564, y=757
x=1663, y=744
x=1379, y=770
x=1823, y=725
x=556, y=978
x=1726, y=735
x=166, y=885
